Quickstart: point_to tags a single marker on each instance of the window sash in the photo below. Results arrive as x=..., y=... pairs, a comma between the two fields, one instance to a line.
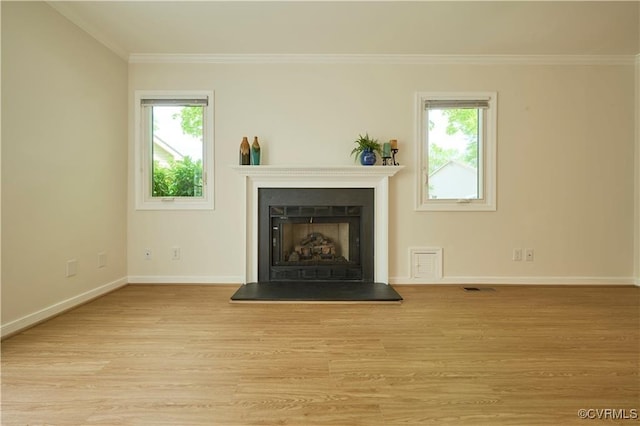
x=486, y=104
x=148, y=135
x=479, y=164
x=144, y=102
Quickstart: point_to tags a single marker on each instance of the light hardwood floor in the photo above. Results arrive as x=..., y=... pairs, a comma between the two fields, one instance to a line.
x=183, y=355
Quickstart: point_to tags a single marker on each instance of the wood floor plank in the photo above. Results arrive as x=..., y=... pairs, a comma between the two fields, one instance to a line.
x=184, y=355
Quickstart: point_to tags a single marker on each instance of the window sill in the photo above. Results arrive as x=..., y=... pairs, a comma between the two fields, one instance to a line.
x=175, y=204
x=453, y=206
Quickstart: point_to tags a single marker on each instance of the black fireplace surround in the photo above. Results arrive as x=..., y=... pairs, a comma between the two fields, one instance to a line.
x=315, y=234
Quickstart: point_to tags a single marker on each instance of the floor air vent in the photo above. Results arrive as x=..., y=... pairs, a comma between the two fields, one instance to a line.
x=474, y=289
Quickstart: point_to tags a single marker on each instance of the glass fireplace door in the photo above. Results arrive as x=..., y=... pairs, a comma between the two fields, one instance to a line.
x=315, y=242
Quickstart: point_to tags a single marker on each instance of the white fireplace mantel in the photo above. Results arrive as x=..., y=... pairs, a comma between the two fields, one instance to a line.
x=311, y=176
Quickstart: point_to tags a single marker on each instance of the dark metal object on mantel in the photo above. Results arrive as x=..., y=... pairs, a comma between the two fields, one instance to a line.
x=393, y=153
x=391, y=161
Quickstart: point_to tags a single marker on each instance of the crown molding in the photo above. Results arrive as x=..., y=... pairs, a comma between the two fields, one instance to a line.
x=392, y=59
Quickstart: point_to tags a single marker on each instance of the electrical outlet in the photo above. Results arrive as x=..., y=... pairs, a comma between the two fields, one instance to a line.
x=72, y=267
x=175, y=253
x=517, y=255
x=528, y=254
x=102, y=259
x=147, y=254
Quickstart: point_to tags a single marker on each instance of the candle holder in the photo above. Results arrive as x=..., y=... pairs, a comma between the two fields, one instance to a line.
x=394, y=151
x=386, y=161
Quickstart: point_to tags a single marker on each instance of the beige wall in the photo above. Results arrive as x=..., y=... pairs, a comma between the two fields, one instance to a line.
x=0, y=170
x=637, y=175
x=565, y=163
x=64, y=156
x=637, y=166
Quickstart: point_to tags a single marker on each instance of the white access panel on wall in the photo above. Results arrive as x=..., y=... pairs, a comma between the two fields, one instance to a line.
x=426, y=264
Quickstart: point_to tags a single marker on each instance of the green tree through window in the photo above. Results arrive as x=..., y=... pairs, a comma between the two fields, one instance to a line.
x=465, y=120
x=191, y=120
x=175, y=173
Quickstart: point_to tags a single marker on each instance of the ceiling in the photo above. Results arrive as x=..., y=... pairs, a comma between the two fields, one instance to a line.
x=361, y=27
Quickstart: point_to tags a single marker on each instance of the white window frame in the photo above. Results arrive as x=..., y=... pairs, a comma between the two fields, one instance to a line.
x=143, y=153
x=487, y=153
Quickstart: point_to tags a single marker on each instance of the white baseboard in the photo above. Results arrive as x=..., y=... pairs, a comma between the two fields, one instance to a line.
x=520, y=280
x=57, y=308
x=186, y=279
x=216, y=280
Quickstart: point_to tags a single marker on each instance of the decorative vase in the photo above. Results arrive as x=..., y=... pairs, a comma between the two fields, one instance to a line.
x=368, y=158
x=255, y=152
x=244, y=152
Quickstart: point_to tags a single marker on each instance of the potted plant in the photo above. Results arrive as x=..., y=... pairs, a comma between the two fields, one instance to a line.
x=366, y=149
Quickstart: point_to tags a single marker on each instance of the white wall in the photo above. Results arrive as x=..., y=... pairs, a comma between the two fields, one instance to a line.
x=64, y=156
x=565, y=164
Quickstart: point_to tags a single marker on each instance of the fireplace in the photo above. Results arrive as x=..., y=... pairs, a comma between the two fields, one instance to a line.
x=316, y=234
x=306, y=178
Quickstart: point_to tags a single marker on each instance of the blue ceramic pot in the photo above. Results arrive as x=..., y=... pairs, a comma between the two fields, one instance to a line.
x=368, y=158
